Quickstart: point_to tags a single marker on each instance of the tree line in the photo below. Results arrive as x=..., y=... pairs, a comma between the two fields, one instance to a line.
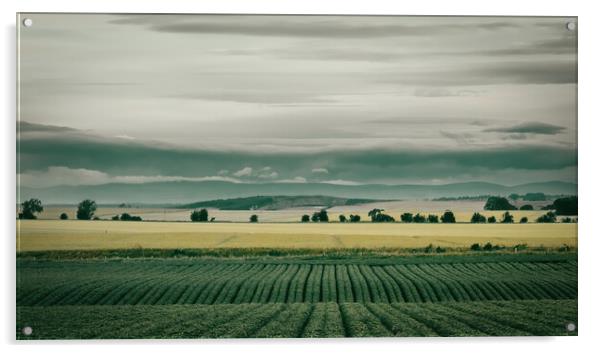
x=563, y=206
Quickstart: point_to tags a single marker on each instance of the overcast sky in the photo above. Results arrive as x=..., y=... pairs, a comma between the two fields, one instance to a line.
x=340, y=99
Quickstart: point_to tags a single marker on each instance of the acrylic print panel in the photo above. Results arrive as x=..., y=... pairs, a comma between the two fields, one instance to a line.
x=213, y=176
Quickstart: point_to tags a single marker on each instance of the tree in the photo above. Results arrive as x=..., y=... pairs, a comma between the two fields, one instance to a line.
x=526, y=207
x=549, y=217
x=566, y=220
x=305, y=218
x=377, y=216
x=432, y=218
x=418, y=218
x=374, y=213
x=478, y=218
x=115, y=217
x=407, y=217
x=64, y=216
x=128, y=217
x=86, y=209
x=321, y=216
x=566, y=206
x=199, y=215
x=448, y=217
x=254, y=219
x=534, y=196
x=496, y=203
x=507, y=218
x=475, y=247
x=29, y=209
x=514, y=197
x=342, y=218
x=354, y=218
x=524, y=220
x=491, y=219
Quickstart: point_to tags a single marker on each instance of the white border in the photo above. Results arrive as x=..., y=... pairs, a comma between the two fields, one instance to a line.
x=590, y=244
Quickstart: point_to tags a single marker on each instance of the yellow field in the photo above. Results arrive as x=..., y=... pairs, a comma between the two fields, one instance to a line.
x=38, y=235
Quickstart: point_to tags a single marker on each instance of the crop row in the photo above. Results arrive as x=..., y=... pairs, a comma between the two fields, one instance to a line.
x=187, y=282
x=505, y=318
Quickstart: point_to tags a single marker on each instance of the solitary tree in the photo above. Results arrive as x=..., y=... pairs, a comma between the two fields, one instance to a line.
x=86, y=209
x=448, y=217
x=305, y=218
x=321, y=216
x=64, y=216
x=407, y=217
x=374, y=213
x=29, y=209
x=496, y=203
x=507, y=218
x=478, y=218
x=254, y=218
x=491, y=219
x=342, y=218
x=199, y=216
x=524, y=220
x=566, y=206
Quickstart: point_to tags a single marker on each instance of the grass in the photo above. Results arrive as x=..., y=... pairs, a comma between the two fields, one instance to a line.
x=494, y=318
x=44, y=235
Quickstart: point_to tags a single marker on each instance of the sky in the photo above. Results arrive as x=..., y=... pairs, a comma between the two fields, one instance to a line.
x=296, y=99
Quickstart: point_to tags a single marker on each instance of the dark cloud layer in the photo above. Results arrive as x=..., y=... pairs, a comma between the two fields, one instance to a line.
x=530, y=128
x=133, y=158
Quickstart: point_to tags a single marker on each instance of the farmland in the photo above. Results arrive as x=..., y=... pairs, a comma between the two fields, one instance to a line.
x=518, y=294
x=496, y=318
x=42, y=235
x=173, y=279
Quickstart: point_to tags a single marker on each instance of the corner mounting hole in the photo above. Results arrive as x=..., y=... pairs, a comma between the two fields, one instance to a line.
x=571, y=327
x=27, y=330
x=28, y=22
x=571, y=26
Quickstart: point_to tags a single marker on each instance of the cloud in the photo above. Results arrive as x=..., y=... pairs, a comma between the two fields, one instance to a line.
x=490, y=73
x=354, y=27
x=267, y=173
x=295, y=180
x=362, y=163
x=341, y=182
x=244, y=172
x=60, y=175
x=319, y=170
x=530, y=128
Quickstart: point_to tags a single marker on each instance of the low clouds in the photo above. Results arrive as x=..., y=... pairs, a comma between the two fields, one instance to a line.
x=116, y=160
x=246, y=171
x=530, y=128
x=60, y=175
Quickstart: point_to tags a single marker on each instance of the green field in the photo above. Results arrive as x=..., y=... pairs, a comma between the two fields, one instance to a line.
x=453, y=295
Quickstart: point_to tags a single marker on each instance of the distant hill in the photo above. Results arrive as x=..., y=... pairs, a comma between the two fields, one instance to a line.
x=276, y=202
x=180, y=192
